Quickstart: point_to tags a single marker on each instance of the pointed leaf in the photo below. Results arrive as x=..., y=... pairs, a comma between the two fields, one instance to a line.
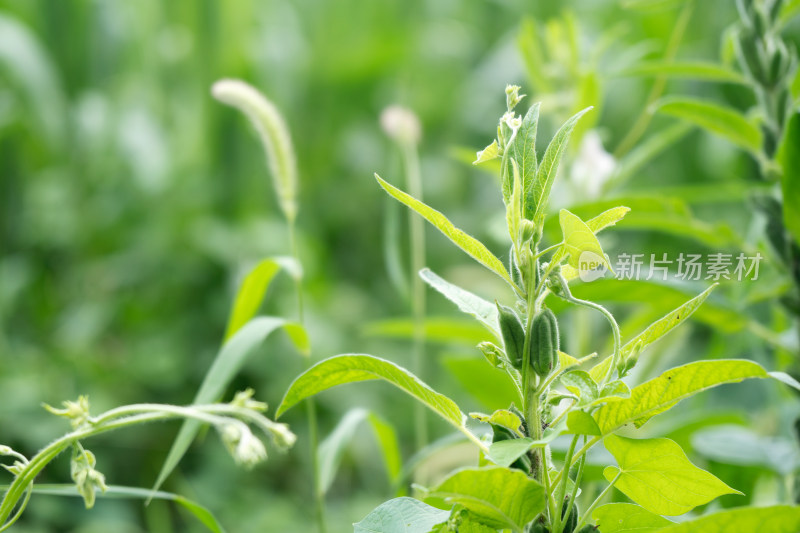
x=226, y=365
x=499, y=497
x=579, y=239
x=627, y=518
x=656, y=474
x=607, y=218
x=253, y=289
x=487, y=154
x=725, y=122
x=505, y=452
x=352, y=368
x=523, y=151
x=467, y=302
x=401, y=515
x=469, y=244
x=775, y=519
x=501, y=417
x=661, y=393
x=536, y=200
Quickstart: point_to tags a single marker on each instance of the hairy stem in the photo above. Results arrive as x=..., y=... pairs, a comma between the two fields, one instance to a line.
x=588, y=512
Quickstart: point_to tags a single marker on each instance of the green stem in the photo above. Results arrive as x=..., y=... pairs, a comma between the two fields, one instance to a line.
x=576, y=486
x=643, y=121
x=588, y=512
x=580, y=453
x=417, y=236
x=562, y=487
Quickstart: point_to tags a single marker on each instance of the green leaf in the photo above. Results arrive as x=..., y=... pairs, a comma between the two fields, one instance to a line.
x=536, y=199
x=514, y=207
x=582, y=423
x=726, y=122
x=775, y=519
x=467, y=302
x=656, y=474
x=499, y=497
x=627, y=518
x=469, y=244
x=330, y=451
x=580, y=384
x=437, y=329
x=115, y=491
x=607, y=219
x=501, y=417
x=487, y=154
x=579, y=239
x=523, y=151
x=226, y=365
x=505, y=452
x=401, y=515
x=254, y=288
x=789, y=158
x=656, y=330
x=352, y=368
x=786, y=379
x=693, y=70
x=274, y=135
x=661, y=393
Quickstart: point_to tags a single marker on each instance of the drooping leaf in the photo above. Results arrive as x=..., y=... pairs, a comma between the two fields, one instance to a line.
x=789, y=158
x=656, y=474
x=722, y=121
x=693, y=70
x=655, y=331
x=497, y=496
x=352, y=368
x=229, y=360
x=579, y=239
x=607, y=219
x=536, y=199
x=274, y=135
x=254, y=288
x=661, y=393
x=523, y=150
x=115, y=491
x=487, y=154
x=775, y=519
x=329, y=453
x=401, y=515
x=469, y=244
x=627, y=518
x=467, y=302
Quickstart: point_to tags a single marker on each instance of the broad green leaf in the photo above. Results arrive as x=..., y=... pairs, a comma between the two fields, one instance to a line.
x=661, y=393
x=789, y=158
x=254, y=288
x=656, y=330
x=229, y=360
x=523, y=151
x=401, y=515
x=581, y=423
x=775, y=519
x=579, y=239
x=469, y=244
x=612, y=390
x=607, y=219
x=627, y=518
x=499, y=497
x=656, y=474
x=694, y=70
x=467, y=302
x=580, y=384
x=726, y=122
x=737, y=445
x=330, y=451
x=114, y=491
x=487, y=154
x=505, y=452
x=437, y=329
x=536, y=199
x=352, y=368
x=274, y=135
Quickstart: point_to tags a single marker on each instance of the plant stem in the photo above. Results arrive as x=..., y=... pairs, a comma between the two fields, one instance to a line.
x=580, y=453
x=562, y=487
x=417, y=235
x=594, y=503
x=311, y=406
x=640, y=126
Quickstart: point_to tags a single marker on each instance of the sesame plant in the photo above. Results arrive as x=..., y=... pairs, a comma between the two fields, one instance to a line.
x=517, y=484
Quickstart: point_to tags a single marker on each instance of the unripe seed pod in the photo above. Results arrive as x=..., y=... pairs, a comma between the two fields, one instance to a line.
x=513, y=334
x=588, y=528
x=572, y=520
x=543, y=348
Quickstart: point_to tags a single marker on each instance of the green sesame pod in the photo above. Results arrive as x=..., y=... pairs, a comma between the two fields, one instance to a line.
x=513, y=334
x=572, y=519
x=588, y=528
x=543, y=352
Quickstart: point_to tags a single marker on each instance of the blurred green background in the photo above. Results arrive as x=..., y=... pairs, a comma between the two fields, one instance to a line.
x=131, y=204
